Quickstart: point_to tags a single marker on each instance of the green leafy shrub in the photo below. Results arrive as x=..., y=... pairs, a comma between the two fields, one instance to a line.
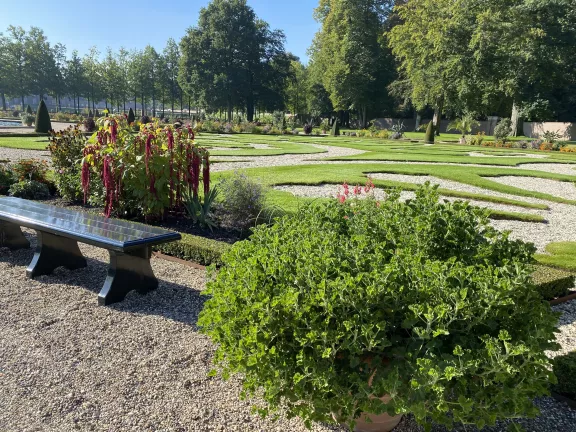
x=552, y=283
x=31, y=169
x=42, y=123
x=6, y=179
x=243, y=200
x=66, y=149
x=565, y=371
x=308, y=128
x=29, y=189
x=503, y=129
x=29, y=110
x=424, y=299
x=429, y=137
x=131, y=116
x=279, y=120
x=27, y=119
x=198, y=249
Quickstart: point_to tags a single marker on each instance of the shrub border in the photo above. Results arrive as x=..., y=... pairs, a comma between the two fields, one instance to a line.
x=197, y=249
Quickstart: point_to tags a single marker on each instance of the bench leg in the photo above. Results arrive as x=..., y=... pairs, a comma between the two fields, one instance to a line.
x=52, y=252
x=12, y=237
x=127, y=271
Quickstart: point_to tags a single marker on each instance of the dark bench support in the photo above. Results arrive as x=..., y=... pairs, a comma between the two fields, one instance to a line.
x=52, y=252
x=12, y=237
x=128, y=271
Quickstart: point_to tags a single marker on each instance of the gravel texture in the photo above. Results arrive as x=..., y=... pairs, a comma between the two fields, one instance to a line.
x=509, y=155
x=14, y=155
x=140, y=365
x=566, y=190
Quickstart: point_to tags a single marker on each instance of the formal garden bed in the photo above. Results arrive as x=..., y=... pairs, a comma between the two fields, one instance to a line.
x=165, y=175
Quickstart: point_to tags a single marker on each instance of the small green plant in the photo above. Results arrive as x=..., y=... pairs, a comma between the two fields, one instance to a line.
x=29, y=189
x=429, y=137
x=243, y=200
x=29, y=110
x=503, y=130
x=31, y=169
x=200, y=211
x=565, y=371
x=279, y=120
x=552, y=283
x=551, y=137
x=27, y=119
x=464, y=124
x=397, y=130
x=42, y=122
x=341, y=303
x=6, y=178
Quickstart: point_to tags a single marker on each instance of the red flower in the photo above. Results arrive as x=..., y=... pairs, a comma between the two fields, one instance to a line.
x=148, y=150
x=206, y=173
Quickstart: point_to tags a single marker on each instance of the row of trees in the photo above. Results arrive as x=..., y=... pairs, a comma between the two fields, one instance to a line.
x=514, y=58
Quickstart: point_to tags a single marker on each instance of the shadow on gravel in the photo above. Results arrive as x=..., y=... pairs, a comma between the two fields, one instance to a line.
x=170, y=300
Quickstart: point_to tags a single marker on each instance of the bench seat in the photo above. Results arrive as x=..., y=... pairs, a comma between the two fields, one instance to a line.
x=59, y=229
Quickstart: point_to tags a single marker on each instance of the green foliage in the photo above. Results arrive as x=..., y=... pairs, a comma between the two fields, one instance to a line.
x=6, y=178
x=27, y=119
x=335, y=131
x=29, y=189
x=551, y=136
x=66, y=149
x=565, y=371
x=29, y=110
x=42, y=123
x=131, y=117
x=423, y=298
x=200, y=211
x=243, y=200
x=429, y=137
x=560, y=254
x=201, y=250
x=279, y=120
x=503, y=129
x=464, y=124
x=31, y=169
x=552, y=283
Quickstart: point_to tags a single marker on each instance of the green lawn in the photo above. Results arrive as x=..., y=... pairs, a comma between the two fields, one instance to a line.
x=28, y=143
x=562, y=255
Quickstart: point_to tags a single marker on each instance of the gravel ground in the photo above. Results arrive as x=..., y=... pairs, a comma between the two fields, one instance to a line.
x=140, y=365
x=14, y=155
x=566, y=190
x=509, y=155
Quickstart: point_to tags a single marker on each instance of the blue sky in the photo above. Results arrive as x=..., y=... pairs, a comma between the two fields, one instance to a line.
x=134, y=24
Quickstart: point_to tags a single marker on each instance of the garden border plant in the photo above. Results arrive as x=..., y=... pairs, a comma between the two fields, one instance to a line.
x=344, y=302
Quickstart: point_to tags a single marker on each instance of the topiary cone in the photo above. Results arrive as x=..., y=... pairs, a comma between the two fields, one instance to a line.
x=335, y=128
x=43, y=124
x=429, y=137
x=131, y=117
x=29, y=110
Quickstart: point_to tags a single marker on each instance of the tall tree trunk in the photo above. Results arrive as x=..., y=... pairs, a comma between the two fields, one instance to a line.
x=417, y=120
x=189, y=115
x=3, y=101
x=437, y=120
x=181, y=102
x=229, y=114
x=250, y=107
x=517, y=123
x=22, y=99
x=143, y=111
x=362, y=115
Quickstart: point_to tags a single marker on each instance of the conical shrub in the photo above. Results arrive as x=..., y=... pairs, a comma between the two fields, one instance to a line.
x=335, y=128
x=29, y=110
x=429, y=138
x=131, y=116
x=43, y=124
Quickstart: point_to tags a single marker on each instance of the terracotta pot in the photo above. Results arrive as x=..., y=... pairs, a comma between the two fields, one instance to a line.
x=380, y=423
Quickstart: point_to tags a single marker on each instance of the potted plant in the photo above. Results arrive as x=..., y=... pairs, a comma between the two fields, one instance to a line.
x=464, y=125
x=27, y=119
x=354, y=308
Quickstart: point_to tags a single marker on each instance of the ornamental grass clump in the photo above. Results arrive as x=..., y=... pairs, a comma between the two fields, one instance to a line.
x=347, y=301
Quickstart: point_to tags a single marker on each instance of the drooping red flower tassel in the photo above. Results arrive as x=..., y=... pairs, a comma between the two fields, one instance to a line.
x=148, y=151
x=108, y=178
x=196, y=162
x=206, y=173
x=113, y=131
x=85, y=180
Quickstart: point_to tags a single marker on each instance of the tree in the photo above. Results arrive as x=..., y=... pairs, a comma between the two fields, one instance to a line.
x=58, y=85
x=5, y=70
x=352, y=54
x=297, y=88
x=41, y=63
x=15, y=55
x=93, y=76
x=232, y=59
x=464, y=124
x=171, y=56
x=74, y=78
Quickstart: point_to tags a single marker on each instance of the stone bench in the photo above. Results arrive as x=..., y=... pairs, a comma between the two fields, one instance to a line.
x=58, y=232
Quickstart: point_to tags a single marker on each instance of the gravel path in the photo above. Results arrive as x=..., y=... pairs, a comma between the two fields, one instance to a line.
x=566, y=190
x=14, y=155
x=509, y=155
x=140, y=365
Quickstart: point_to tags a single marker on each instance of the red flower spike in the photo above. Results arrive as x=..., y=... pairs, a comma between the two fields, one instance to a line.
x=148, y=150
x=206, y=173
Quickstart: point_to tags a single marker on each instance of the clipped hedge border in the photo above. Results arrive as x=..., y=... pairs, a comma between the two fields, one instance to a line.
x=198, y=249
x=552, y=283
x=565, y=370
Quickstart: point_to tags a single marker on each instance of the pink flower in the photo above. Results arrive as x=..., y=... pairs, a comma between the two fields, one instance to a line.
x=357, y=190
x=346, y=190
